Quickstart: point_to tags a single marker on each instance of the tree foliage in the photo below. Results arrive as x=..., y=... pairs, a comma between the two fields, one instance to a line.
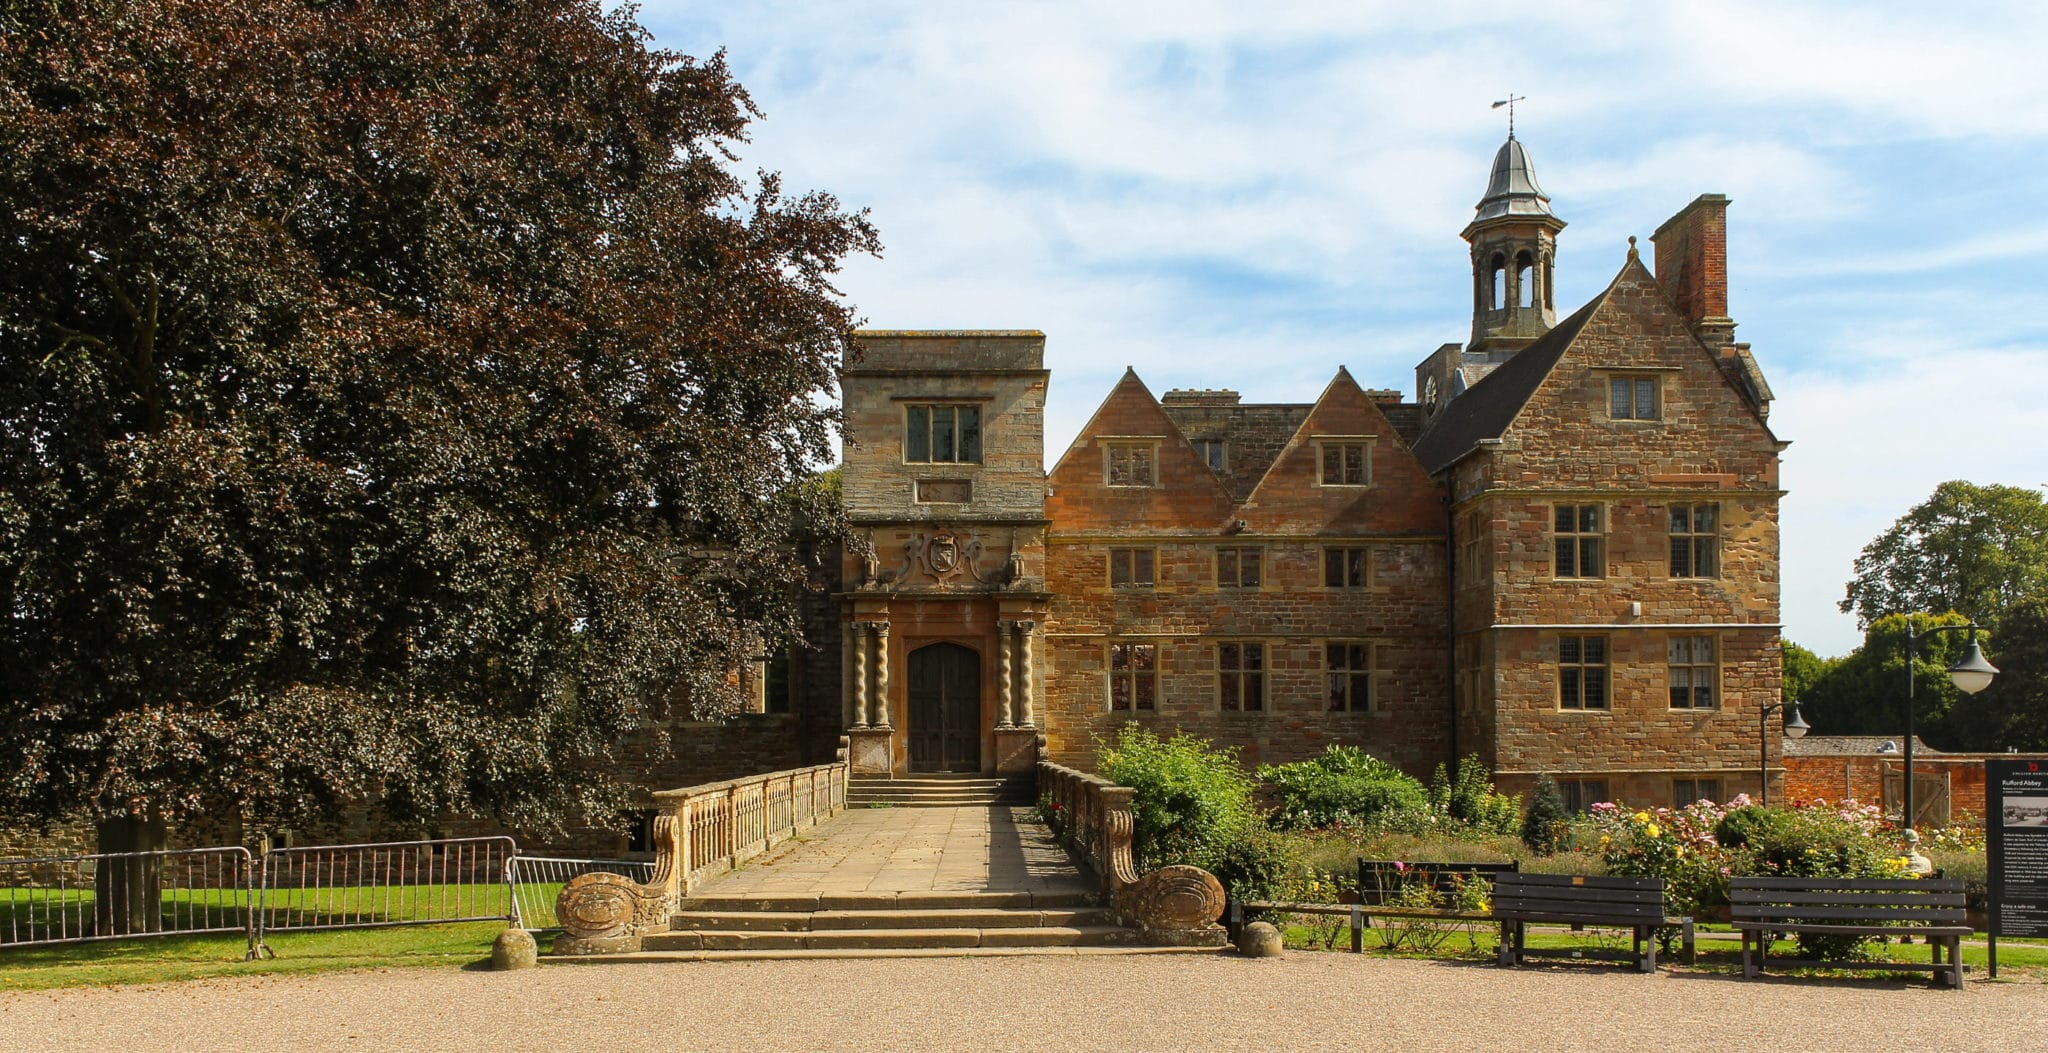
x=1864, y=692
x=397, y=401
x=1968, y=548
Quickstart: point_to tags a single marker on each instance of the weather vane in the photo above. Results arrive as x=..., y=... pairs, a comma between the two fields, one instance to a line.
x=1510, y=102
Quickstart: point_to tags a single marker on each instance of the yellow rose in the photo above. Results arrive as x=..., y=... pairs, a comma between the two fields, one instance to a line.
x=1642, y=817
x=1652, y=830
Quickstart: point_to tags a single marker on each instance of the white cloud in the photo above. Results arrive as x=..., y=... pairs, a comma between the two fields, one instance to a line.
x=1231, y=195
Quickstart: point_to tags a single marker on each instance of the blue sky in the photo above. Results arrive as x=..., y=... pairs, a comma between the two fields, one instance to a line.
x=1249, y=195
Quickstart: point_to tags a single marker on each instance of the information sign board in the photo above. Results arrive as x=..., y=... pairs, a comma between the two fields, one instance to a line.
x=2016, y=845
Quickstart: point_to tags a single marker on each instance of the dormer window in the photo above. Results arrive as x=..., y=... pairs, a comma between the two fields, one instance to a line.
x=1129, y=464
x=942, y=434
x=1344, y=461
x=1634, y=398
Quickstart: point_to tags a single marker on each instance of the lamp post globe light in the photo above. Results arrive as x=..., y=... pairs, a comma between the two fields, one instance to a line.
x=1970, y=674
x=1795, y=728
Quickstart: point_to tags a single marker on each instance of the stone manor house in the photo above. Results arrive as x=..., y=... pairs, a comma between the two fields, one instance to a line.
x=1561, y=556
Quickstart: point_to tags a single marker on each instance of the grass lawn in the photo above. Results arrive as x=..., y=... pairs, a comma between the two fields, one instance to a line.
x=166, y=958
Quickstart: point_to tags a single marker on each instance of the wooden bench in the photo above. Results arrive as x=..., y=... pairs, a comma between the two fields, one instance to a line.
x=1763, y=908
x=1378, y=879
x=1580, y=900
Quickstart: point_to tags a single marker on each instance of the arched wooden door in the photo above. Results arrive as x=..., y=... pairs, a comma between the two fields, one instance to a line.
x=945, y=708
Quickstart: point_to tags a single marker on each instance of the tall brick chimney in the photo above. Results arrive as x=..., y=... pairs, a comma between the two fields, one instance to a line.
x=1692, y=266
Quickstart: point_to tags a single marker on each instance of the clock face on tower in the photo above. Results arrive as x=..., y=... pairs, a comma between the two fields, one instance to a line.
x=1429, y=394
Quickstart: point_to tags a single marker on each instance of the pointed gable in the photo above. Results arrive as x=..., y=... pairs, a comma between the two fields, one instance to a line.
x=1183, y=495
x=1484, y=410
x=1306, y=490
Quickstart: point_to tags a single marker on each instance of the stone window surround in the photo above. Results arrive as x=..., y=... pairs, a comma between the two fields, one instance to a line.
x=1369, y=577
x=1374, y=675
x=1688, y=791
x=1597, y=536
x=1712, y=668
x=1365, y=443
x=1569, y=702
x=1214, y=452
x=1609, y=375
x=1238, y=561
x=1129, y=552
x=1697, y=540
x=1244, y=676
x=1112, y=444
x=908, y=404
x=1580, y=795
x=1131, y=674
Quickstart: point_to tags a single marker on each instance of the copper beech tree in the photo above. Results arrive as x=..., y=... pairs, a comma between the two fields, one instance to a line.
x=396, y=400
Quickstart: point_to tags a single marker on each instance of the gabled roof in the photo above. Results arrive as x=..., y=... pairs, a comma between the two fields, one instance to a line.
x=1185, y=494
x=1291, y=498
x=1486, y=409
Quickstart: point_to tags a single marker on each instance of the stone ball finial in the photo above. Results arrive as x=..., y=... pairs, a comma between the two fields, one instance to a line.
x=1632, y=253
x=1260, y=939
x=514, y=949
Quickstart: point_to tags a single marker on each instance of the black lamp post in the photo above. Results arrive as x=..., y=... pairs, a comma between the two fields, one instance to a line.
x=1794, y=728
x=1971, y=674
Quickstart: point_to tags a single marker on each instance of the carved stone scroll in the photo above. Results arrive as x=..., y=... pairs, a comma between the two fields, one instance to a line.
x=1176, y=906
x=609, y=913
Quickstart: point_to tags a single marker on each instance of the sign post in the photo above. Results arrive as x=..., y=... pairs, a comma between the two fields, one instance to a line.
x=2016, y=848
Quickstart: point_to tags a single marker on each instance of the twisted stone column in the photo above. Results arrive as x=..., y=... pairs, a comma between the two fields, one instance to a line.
x=1025, y=717
x=1004, y=676
x=859, y=632
x=880, y=715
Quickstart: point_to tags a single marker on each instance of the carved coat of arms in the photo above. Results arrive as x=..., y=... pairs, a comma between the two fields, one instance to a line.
x=942, y=554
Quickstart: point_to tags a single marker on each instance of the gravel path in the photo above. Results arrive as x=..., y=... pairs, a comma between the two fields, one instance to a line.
x=1305, y=1001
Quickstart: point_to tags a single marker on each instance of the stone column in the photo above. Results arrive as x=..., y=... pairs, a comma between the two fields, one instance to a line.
x=1029, y=659
x=880, y=703
x=848, y=715
x=1004, y=675
x=859, y=632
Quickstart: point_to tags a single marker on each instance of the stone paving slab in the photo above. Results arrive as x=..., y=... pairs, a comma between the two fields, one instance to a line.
x=918, y=854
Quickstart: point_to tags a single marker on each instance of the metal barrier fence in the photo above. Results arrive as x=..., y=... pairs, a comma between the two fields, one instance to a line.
x=391, y=883
x=537, y=880
x=71, y=899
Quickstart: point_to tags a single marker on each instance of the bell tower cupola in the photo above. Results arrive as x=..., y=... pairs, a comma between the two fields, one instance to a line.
x=1514, y=245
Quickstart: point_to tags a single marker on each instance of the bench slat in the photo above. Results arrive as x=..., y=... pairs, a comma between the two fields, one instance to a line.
x=1849, y=884
x=1852, y=929
x=1599, y=881
x=1871, y=899
x=1580, y=900
x=1864, y=914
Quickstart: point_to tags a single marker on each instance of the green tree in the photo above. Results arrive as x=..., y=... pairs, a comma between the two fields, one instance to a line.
x=1545, y=826
x=398, y=401
x=1803, y=671
x=1864, y=692
x=2013, y=712
x=1968, y=548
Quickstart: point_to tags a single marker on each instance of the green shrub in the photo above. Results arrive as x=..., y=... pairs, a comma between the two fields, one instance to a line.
x=1344, y=785
x=1741, y=826
x=1470, y=799
x=1192, y=798
x=1547, y=825
x=1256, y=864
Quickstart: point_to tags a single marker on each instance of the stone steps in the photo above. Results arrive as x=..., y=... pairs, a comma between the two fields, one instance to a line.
x=825, y=924
x=874, y=953
x=937, y=791
x=892, y=939
x=830, y=920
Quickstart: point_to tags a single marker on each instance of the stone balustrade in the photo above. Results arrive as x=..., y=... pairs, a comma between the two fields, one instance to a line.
x=1175, y=905
x=699, y=831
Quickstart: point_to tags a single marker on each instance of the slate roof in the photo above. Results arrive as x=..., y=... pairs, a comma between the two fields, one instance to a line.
x=1486, y=409
x=1853, y=746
